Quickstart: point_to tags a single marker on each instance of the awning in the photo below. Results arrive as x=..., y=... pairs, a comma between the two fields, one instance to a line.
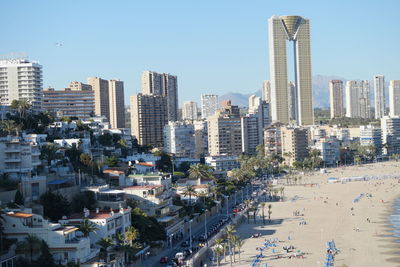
x=59, y=181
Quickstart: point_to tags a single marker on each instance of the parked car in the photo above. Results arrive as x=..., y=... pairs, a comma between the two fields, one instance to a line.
x=184, y=244
x=164, y=260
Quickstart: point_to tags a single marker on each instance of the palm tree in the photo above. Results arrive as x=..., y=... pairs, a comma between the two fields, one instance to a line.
x=229, y=231
x=218, y=250
x=221, y=244
x=1, y=229
x=105, y=243
x=254, y=209
x=269, y=212
x=282, y=189
x=131, y=234
x=190, y=191
x=200, y=171
x=262, y=206
x=10, y=126
x=239, y=244
x=87, y=227
x=30, y=245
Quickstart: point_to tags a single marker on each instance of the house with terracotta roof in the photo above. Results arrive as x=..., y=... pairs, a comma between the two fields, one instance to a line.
x=65, y=244
x=109, y=223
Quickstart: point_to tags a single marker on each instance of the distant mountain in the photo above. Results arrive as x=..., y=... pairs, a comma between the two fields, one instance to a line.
x=320, y=93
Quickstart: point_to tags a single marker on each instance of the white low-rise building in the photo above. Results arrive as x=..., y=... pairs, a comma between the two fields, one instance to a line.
x=329, y=149
x=80, y=143
x=64, y=243
x=109, y=223
x=222, y=163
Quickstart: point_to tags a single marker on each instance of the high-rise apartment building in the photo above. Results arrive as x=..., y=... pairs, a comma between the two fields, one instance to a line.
x=163, y=84
x=336, y=98
x=189, y=110
x=294, y=144
x=329, y=149
x=148, y=118
x=209, y=105
x=357, y=99
x=78, y=86
x=21, y=79
x=228, y=108
x=101, y=96
x=394, y=98
x=370, y=135
x=252, y=133
x=201, y=138
x=116, y=103
x=69, y=103
x=272, y=140
x=266, y=91
x=390, y=127
x=254, y=102
x=179, y=139
x=379, y=93
x=224, y=134
x=296, y=29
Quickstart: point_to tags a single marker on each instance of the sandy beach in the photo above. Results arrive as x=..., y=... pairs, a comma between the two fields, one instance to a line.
x=361, y=230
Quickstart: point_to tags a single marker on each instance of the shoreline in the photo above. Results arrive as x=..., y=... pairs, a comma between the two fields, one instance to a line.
x=362, y=230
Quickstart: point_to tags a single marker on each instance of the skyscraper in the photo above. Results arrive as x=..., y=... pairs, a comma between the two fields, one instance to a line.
x=163, y=84
x=394, y=98
x=266, y=91
x=254, y=102
x=101, y=96
x=357, y=99
x=209, y=105
x=296, y=29
x=148, y=118
x=116, y=103
x=379, y=93
x=336, y=98
x=21, y=79
x=189, y=110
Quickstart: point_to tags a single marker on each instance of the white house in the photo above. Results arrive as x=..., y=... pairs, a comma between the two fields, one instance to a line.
x=108, y=222
x=64, y=243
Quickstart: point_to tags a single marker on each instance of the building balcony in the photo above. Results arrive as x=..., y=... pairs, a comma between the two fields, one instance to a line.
x=12, y=160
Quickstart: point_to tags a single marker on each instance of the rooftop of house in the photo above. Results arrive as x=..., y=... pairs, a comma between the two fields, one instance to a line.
x=141, y=187
x=93, y=214
x=19, y=214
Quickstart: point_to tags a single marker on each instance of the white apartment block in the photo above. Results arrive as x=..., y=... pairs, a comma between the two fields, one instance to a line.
x=336, y=98
x=189, y=110
x=370, y=135
x=21, y=79
x=394, y=98
x=266, y=91
x=254, y=102
x=179, y=139
x=109, y=222
x=209, y=105
x=357, y=99
x=329, y=149
x=379, y=93
x=65, y=244
x=222, y=163
x=390, y=127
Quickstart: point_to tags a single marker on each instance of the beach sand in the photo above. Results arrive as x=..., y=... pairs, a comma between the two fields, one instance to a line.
x=327, y=212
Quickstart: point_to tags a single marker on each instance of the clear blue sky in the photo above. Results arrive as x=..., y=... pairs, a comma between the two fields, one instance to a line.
x=213, y=46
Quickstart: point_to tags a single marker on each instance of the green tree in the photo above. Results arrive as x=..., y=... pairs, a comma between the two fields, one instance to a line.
x=229, y=231
x=149, y=228
x=105, y=243
x=48, y=152
x=9, y=126
x=190, y=191
x=87, y=227
x=86, y=160
x=200, y=171
x=131, y=235
x=30, y=245
x=81, y=200
x=164, y=163
x=262, y=206
x=269, y=212
x=105, y=139
x=55, y=206
x=45, y=259
x=19, y=198
x=111, y=161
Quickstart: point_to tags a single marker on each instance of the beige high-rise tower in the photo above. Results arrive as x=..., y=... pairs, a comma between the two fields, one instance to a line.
x=336, y=98
x=101, y=96
x=296, y=29
x=394, y=98
x=116, y=103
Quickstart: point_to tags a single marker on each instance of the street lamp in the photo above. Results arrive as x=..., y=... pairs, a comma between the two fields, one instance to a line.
x=227, y=206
